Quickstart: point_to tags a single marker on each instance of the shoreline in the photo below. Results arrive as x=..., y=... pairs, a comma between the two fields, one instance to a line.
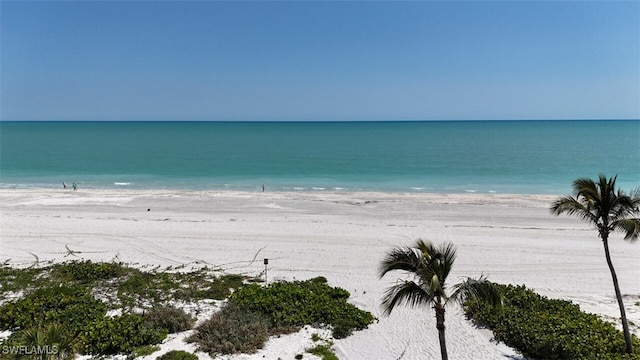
x=50, y=191
x=512, y=239
x=472, y=189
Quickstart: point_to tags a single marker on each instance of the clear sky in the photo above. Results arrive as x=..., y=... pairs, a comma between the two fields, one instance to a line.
x=409, y=60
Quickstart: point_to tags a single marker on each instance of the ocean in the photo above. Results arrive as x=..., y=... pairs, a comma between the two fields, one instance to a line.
x=524, y=157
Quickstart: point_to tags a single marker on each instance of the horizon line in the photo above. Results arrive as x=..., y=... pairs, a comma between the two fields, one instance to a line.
x=321, y=121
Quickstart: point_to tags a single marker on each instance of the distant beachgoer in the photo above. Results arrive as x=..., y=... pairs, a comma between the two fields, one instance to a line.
x=64, y=185
x=262, y=187
x=75, y=186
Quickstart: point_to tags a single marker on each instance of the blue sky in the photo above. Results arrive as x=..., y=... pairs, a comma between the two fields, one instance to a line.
x=378, y=60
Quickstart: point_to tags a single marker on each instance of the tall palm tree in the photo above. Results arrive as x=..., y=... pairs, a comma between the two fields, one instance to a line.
x=609, y=210
x=429, y=265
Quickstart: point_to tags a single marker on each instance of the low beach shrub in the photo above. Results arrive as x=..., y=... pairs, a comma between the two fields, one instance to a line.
x=232, y=330
x=220, y=288
x=87, y=271
x=253, y=313
x=543, y=328
x=323, y=351
x=178, y=355
x=323, y=348
x=139, y=289
x=291, y=305
x=169, y=318
x=144, y=350
x=66, y=294
x=74, y=307
x=17, y=280
x=120, y=335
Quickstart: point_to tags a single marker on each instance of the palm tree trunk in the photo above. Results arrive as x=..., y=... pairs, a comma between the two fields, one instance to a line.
x=440, y=326
x=623, y=315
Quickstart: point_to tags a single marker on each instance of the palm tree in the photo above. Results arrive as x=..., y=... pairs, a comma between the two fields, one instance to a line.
x=429, y=265
x=52, y=342
x=608, y=210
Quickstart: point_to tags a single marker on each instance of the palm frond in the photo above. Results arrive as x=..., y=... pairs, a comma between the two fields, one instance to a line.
x=406, y=292
x=33, y=337
x=585, y=187
x=429, y=264
x=624, y=206
x=425, y=247
x=602, y=204
x=437, y=266
x=572, y=206
x=400, y=259
x=631, y=228
x=449, y=255
x=480, y=288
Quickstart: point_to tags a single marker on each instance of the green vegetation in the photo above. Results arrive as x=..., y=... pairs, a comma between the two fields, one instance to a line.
x=609, y=210
x=121, y=286
x=75, y=307
x=65, y=305
x=177, y=355
x=87, y=272
x=171, y=319
x=144, y=350
x=430, y=266
x=55, y=342
x=232, y=330
x=253, y=313
x=291, y=305
x=138, y=288
x=120, y=335
x=542, y=328
x=323, y=351
x=14, y=280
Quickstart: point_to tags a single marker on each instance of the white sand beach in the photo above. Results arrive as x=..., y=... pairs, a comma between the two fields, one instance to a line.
x=343, y=236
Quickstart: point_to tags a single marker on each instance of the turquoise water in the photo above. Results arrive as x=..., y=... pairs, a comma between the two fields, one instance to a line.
x=447, y=157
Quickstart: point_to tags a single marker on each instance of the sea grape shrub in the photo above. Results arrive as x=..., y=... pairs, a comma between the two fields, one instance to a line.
x=14, y=280
x=291, y=305
x=254, y=312
x=87, y=271
x=66, y=293
x=75, y=307
x=543, y=328
x=138, y=287
x=120, y=335
x=82, y=314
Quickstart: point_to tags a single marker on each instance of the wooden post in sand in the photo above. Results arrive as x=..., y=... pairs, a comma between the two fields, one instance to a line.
x=266, y=262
